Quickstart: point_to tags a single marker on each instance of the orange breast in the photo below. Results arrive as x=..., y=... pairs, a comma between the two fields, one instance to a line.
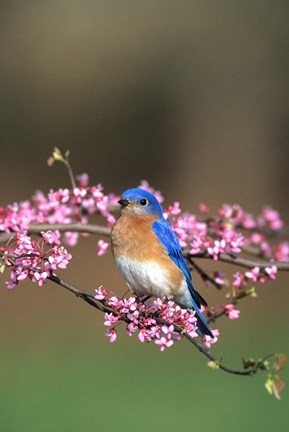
x=132, y=237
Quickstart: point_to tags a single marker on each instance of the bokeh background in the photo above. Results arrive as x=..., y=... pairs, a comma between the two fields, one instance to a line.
x=192, y=96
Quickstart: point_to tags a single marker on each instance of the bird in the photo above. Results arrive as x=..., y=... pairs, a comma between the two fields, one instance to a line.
x=149, y=257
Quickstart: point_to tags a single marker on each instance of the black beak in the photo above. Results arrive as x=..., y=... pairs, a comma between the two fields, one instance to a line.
x=123, y=202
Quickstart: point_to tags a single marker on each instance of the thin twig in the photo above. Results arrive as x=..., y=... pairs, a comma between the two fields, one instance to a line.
x=215, y=316
x=87, y=296
x=70, y=171
x=205, y=276
x=202, y=349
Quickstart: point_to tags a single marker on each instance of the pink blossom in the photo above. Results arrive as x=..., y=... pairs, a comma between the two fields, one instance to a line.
x=149, y=333
x=253, y=274
x=129, y=305
x=218, y=247
x=115, y=303
x=271, y=272
x=240, y=280
x=219, y=277
x=164, y=343
x=21, y=273
x=110, y=219
x=110, y=319
x=172, y=210
x=96, y=192
x=103, y=205
x=282, y=252
x=59, y=258
x=266, y=249
x=40, y=277
x=13, y=280
x=83, y=180
x=71, y=238
x=230, y=312
x=196, y=245
x=51, y=237
x=233, y=212
x=24, y=243
x=208, y=341
x=203, y=208
x=112, y=334
x=131, y=328
x=248, y=221
x=256, y=238
x=79, y=193
x=88, y=204
x=272, y=217
x=134, y=317
x=102, y=247
x=101, y=293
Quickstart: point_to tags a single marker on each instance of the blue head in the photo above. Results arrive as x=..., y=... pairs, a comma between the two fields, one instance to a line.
x=141, y=202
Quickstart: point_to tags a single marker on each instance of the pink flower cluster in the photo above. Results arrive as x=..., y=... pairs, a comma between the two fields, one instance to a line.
x=230, y=311
x=213, y=236
x=237, y=216
x=28, y=258
x=241, y=280
x=153, y=320
x=63, y=206
x=222, y=232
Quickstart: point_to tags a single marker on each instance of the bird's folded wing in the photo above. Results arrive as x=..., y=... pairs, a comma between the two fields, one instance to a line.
x=170, y=242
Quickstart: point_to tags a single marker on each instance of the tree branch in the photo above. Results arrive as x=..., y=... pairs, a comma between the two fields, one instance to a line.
x=204, y=275
x=88, y=297
x=241, y=261
x=75, y=227
x=105, y=231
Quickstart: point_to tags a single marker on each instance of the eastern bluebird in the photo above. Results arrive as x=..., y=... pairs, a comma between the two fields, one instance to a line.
x=148, y=254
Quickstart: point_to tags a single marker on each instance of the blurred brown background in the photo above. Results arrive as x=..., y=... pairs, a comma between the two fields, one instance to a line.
x=190, y=95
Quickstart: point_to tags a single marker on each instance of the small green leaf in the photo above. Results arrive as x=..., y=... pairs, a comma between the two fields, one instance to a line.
x=269, y=383
x=249, y=292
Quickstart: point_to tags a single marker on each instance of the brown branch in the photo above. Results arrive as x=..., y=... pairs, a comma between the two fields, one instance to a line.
x=88, y=297
x=203, y=350
x=75, y=227
x=242, y=262
x=215, y=316
x=204, y=275
x=105, y=231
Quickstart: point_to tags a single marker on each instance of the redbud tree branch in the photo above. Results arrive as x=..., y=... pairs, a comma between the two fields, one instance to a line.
x=105, y=231
x=88, y=297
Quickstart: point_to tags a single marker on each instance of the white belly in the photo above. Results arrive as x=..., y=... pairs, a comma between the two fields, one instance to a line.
x=145, y=278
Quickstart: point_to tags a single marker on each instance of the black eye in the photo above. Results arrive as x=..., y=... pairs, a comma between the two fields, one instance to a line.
x=143, y=202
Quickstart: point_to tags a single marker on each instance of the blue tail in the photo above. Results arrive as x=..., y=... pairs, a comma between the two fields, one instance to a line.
x=203, y=327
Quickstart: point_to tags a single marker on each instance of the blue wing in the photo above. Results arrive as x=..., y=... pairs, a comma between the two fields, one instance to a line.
x=169, y=240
